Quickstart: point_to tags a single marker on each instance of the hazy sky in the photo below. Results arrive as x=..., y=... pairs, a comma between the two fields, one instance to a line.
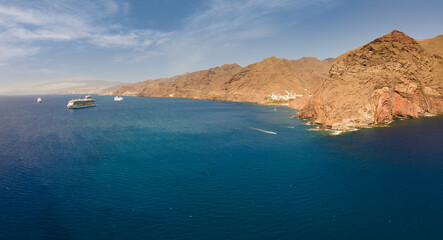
x=135, y=40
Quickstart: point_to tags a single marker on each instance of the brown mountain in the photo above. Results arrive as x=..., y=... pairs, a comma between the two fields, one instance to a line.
x=137, y=89
x=205, y=84
x=392, y=76
x=276, y=75
x=253, y=83
x=433, y=45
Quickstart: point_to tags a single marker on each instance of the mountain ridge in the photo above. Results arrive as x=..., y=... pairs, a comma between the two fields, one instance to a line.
x=391, y=77
x=231, y=82
x=433, y=45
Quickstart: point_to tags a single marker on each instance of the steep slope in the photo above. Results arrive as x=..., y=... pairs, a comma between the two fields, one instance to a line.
x=231, y=82
x=433, y=45
x=276, y=75
x=392, y=76
x=205, y=84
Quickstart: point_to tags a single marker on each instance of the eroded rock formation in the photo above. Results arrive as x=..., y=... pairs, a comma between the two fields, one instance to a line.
x=392, y=76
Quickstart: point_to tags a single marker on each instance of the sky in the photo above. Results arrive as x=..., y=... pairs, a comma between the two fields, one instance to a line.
x=135, y=40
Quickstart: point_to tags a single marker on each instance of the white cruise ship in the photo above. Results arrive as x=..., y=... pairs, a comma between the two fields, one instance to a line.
x=117, y=98
x=81, y=103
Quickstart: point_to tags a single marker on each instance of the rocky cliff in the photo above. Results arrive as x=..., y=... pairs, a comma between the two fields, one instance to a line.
x=390, y=77
x=254, y=83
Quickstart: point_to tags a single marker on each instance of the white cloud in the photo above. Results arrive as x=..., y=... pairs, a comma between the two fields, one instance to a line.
x=12, y=16
x=24, y=34
x=8, y=52
x=32, y=23
x=115, y=40
x=224, y=24
x=27, y=26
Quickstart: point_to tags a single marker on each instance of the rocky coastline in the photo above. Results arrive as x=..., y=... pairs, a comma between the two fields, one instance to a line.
x=393, y=76
x=390, y=77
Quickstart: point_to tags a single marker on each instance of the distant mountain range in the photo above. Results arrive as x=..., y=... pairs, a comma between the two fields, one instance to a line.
x=65, y=87
x=390, y=77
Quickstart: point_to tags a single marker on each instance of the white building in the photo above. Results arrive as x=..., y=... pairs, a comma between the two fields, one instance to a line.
x=286, y=97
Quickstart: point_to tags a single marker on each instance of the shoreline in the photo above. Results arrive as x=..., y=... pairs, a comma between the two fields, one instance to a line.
x=319, y=127
x=316, y=126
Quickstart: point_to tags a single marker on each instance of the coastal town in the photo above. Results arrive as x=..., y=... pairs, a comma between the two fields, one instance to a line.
x=289, y=96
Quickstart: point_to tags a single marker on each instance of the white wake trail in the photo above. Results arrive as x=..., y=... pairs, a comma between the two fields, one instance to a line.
x=262, y=130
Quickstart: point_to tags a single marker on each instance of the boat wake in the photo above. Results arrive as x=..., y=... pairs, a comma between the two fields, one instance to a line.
x=332, y=132
x=262, y=130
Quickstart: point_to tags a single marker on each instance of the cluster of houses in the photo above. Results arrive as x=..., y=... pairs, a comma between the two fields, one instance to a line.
x=286, y=97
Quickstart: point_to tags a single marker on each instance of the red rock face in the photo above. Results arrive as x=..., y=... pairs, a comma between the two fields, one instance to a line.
x=436, y=105
x=393, y=105
x=383, y=103
x=392, y=76
x=403, y=108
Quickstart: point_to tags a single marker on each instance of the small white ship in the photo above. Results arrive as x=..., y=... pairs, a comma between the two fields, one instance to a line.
x=39, y=100
x=81, y=103
x=117, y=98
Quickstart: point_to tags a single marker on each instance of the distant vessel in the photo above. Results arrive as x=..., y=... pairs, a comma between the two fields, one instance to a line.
x=81, y=103
x=39, y=100
x=117, y=98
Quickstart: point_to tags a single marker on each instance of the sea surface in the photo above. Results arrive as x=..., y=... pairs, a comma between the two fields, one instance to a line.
x=164, y=168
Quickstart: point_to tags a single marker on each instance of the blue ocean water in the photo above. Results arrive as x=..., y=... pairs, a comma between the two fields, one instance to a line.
x=162, y=168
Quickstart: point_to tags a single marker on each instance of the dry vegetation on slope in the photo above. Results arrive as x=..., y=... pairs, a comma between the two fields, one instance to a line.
x=276, y=75
x=433, y=45
x=392, y=76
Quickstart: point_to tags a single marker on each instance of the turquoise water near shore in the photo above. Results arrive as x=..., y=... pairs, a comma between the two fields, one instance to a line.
x=163, y=168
